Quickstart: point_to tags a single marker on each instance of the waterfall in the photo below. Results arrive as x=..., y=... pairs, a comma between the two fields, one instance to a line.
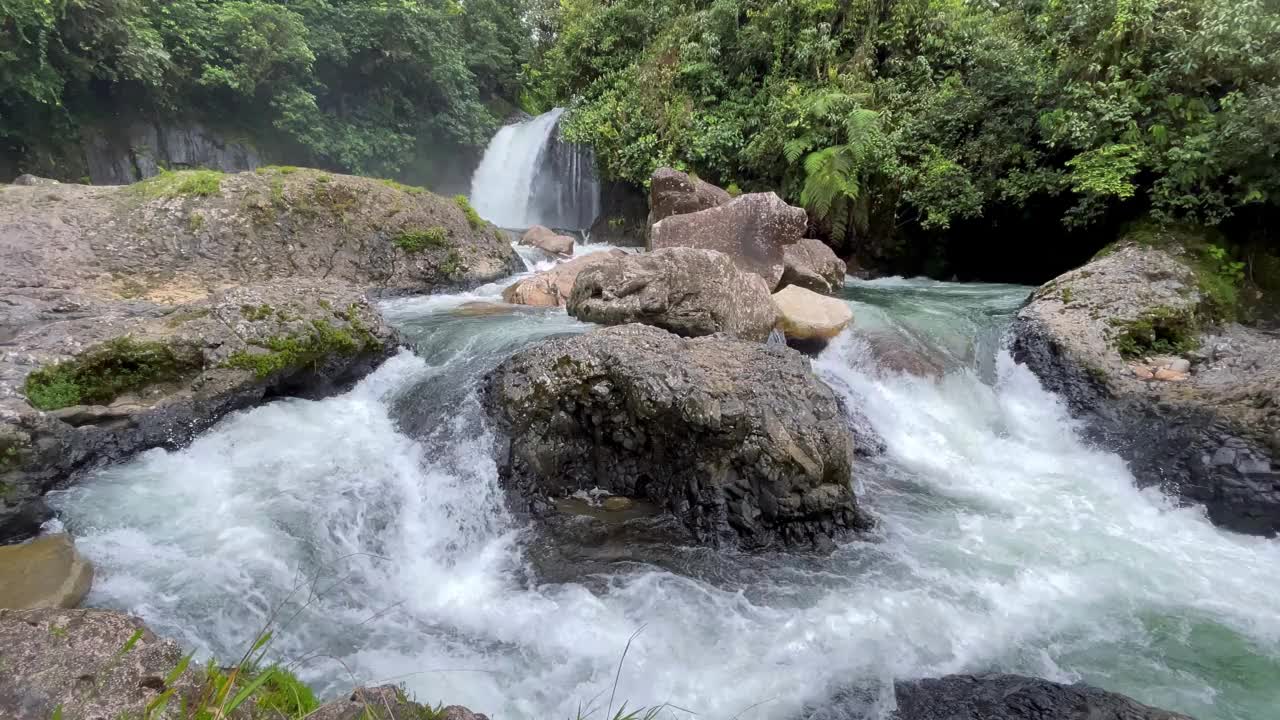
x=529, y=176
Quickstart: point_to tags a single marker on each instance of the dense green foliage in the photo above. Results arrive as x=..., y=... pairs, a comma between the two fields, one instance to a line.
x=358, y=85
x=893, y=117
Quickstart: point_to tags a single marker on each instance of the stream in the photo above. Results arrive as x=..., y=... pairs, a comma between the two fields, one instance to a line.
x=369, y=531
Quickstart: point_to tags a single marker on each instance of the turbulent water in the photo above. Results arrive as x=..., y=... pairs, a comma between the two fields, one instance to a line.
x=1004, y=543
x=527, y=177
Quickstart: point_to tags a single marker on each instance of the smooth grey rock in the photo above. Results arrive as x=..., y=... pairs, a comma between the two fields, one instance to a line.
x=687, y=291
x=32, y=180
x=737, y=439
x=1172, y=433
x=812, y=265
x=386, y=702
x=44, y=573
x=752, y=229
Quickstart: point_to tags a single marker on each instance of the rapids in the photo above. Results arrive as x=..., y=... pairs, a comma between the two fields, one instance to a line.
x=370, y=530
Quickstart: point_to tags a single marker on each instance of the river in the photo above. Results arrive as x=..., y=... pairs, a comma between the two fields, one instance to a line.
x=370, y=526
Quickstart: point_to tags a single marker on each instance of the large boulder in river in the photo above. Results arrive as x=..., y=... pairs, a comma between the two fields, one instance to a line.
x=551, y=288
x=1131, y=342
x=547, y=240
x=806, y=316
x=990, y=696
x=812, y=265
x=672, y=192
x=738, y=439
x=46, y=572
x=689, y=292
x=754, y=230
x=133, y=317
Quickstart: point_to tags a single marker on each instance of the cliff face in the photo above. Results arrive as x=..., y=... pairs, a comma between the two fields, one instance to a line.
x=140, y=149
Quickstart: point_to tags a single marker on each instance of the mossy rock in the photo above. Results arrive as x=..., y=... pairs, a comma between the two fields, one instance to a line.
x=102, y=373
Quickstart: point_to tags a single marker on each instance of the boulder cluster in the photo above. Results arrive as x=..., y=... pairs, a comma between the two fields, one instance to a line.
x=683, y=404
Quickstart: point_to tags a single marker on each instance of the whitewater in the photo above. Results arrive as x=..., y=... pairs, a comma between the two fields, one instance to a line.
x=369, y=531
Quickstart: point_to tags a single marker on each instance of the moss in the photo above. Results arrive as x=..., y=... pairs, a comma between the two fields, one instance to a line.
x=284, y=695
x=277, y=192
x=13, y=452
x=290, y=352
x=195, y=222
x=104, y=372
x=184, y=183
x=281, y=169
x=473, y=217
x=411, y=189
x=184, y=316
x=1066, y=295
x=256, y=312
x=1160, y=331
x=415, y=241
x=452, y=265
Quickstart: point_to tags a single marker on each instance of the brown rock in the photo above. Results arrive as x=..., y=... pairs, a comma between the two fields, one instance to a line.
x=806, y=315
x=672, y=192
x=753, y=230
x=812, y=265
x=553, y=287
x=686, y=291
x=481, y=309
x=1142, y=372
x=385, y=702
x=547, y=240
x=76, y=660
x=1169, y=375
x=47, y=572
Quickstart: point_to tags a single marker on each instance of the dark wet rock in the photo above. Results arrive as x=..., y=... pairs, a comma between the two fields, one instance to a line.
x=753, y=230
x=47, y=572
x=175, y=307
x=125, y=153
x=812, y=265
x=75, y=659
x=686, y=291
x=982, y=697
x=738, y=439
x=386, y=702
x=672, y=192
x=1015, y=697
x=624, y=213
x=1210, y=436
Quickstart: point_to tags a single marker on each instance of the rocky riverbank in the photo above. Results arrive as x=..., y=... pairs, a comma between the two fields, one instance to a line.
x=134, y=317
x=1138, y=345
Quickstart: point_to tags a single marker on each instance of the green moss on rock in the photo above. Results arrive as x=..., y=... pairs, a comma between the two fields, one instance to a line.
x=1160, y=331
x=473, y=217
x=291, y=352
x=104, y=372
x=415, y=241
x=183, y=183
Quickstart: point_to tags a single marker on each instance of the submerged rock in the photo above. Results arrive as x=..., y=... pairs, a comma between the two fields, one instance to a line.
x=1210, y=435
x=812, y=265
x=551, y=288
x=982, y=697
x=1015, y=697
x=689, y=292
x=752, y=229
x=738, y=439
x=672, y=192
x=547, y=240
x=134, y=317
x=806, y=316
x=47, y=572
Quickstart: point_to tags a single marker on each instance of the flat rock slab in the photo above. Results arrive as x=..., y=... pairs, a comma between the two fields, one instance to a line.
x=806, y=315
x=47, y=572
x=737, y=439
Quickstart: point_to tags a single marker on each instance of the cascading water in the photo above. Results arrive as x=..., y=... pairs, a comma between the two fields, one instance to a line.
x=1004, y=543
x=529, y=176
